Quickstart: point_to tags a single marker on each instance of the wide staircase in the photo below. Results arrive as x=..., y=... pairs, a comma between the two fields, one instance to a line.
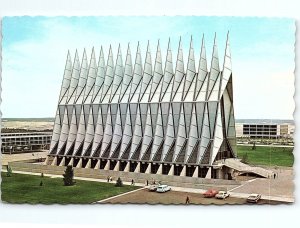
x=236, y=164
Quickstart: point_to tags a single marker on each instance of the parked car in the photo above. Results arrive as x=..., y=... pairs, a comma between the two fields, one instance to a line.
x=253, y=198
x=210, y=193
x=222, y=195
x=153, y=187
x=163, y=188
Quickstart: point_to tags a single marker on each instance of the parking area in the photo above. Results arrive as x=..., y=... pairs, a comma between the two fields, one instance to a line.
x=175, y=197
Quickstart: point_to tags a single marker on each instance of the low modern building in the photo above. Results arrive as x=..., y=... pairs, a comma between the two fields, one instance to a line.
x=25, y=142
x=265, y=129
x=146, y=118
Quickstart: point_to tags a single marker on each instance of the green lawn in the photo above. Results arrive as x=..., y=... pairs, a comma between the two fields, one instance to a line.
x=263, y=155
x=21, y=188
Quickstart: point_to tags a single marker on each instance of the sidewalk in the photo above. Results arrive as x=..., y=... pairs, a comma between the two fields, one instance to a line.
x=179, y=189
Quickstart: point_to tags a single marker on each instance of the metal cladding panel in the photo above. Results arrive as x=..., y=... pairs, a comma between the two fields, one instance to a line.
x=117, y=135
x=118, y=77
x=226, y=73
x=170, y=135
x=79, y=93
x=127, y=79
x=137, y=78
x=218, y=136
x=190, y=79
x=202, y=70
x=90, y=132
x=205, y=135
x=117, y=111
x=214, y=69
x=193, y=134
x=108, y=79
x=181, y=135
x=148, y=133
x=157, y=77
x=99, y=78
x=80, y=133
x=159, y=134
x=147, y=77
x=127, y=134
x=74, y=80
x=92, y=74
x=227, y=109
x=72, y=132
x=166, y=88
x=99, y=131
x=64, y=132
x=178, y=83
x=56, y=131
x=66, y=80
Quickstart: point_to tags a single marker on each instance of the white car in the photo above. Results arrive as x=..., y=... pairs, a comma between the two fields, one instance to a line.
x=163, y=188
x=253, y=198
x=222, y=195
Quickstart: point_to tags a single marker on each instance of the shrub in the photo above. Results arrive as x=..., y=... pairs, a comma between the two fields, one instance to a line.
x=9, y=171
x=119, y=182
x=69, y=176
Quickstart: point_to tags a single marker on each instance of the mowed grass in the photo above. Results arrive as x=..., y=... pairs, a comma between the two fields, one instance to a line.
x=271, y=156
x=22, y=188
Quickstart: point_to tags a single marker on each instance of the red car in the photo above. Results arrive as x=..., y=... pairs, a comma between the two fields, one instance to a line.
x=210, y=193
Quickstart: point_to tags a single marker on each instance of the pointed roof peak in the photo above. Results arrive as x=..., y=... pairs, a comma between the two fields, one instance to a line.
x=215, y=39
x=169, y=44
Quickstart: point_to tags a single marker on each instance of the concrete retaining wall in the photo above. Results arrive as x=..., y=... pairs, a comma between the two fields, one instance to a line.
x=188, y=182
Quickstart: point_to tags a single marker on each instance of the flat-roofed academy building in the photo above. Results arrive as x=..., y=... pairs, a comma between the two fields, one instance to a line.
x=145, y=117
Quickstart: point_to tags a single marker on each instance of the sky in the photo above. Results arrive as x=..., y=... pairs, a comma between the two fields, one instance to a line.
x=34, y=51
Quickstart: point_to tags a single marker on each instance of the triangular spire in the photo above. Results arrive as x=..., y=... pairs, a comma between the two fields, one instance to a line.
x=109, y=75
x=127, y=79
x=79, y=95
x=99, y=131
x=137, y=76
x=190, y=80
x=157, y=77
x=227, y=70
x=118, y=77
x=202, y=74
x=100, y=78
x=147, y=77
x=214, y=68
x=74, y=79
x=92, y=74
x=179, y=75
x=167, y=85
x=66, y=80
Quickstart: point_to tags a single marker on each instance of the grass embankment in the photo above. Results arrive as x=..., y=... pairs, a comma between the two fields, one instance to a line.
x=269, y=156
x=22, y=188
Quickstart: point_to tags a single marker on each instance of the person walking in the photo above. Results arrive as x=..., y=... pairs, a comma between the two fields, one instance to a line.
x=107, y=178
x=132, y=182
x=147, y=183
x=187, y=201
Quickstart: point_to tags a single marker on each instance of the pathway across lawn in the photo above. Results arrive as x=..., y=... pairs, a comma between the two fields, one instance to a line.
x=23, y=188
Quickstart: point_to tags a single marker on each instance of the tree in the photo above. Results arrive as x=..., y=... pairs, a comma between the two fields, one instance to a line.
x=69, y=176
x=9, y=171
x=254, y=146
x=119, y=182
x=245, y=158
